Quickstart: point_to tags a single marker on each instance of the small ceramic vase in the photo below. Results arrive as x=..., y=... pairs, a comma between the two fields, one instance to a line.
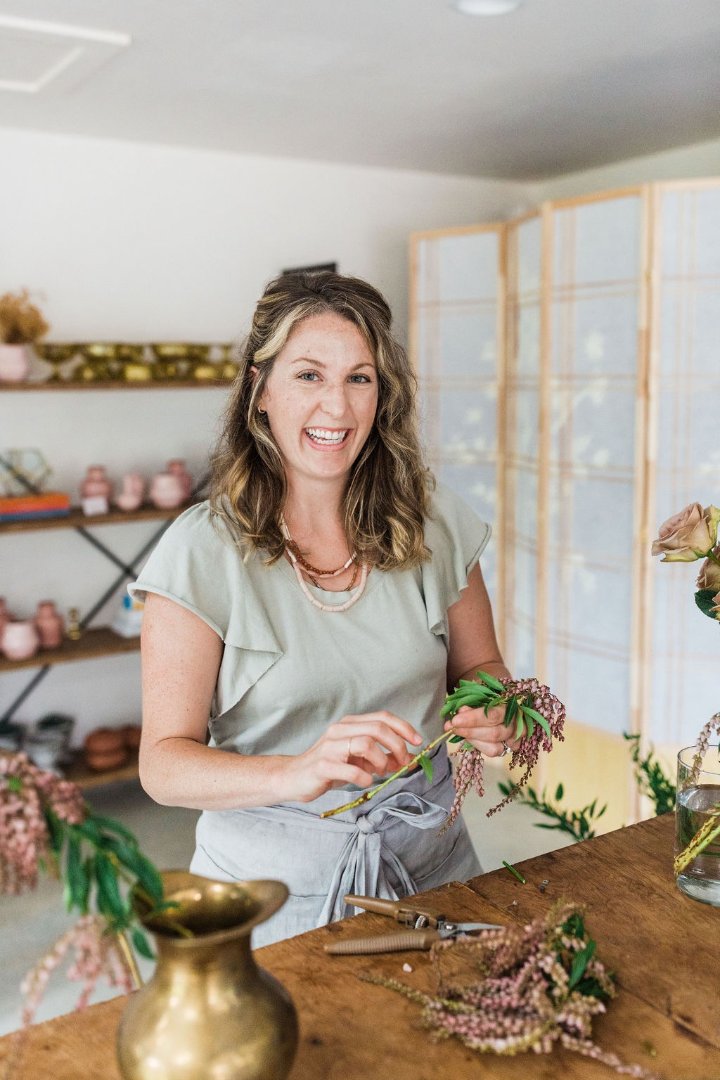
x=14, y=363
x=133, y=492
x=167, y=491
x=20, y=640
x=50, y=625
x=96, y=482
x=177, y=467
x=95, y=491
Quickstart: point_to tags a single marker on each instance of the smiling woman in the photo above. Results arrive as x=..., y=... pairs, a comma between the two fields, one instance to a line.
x=322, y=599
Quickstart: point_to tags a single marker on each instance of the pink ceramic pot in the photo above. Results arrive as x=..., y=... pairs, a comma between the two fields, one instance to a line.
x=96, y=483
x=20, y=640
x=177, y=467
x=167, y=491
x=50, y=625
x=14, y=363
x=133, y=492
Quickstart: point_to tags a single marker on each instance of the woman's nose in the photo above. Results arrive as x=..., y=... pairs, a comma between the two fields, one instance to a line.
x=334, y=401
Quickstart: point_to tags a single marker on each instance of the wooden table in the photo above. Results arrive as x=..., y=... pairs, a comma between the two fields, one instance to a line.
x=664, y=948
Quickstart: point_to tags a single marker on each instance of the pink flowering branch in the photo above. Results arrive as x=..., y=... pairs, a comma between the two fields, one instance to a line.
x=523, y=988
x=537, y=715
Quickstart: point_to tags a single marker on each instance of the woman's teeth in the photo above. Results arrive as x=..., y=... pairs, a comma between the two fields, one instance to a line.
x=319, y=435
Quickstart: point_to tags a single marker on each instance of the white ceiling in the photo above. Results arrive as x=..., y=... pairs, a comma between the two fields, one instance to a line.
x=557, y=86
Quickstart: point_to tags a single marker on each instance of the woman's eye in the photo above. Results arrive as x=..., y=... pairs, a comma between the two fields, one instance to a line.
x=359, y=378
x=308, y=376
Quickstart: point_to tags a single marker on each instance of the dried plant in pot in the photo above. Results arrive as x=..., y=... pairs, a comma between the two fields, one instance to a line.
x=21, y=325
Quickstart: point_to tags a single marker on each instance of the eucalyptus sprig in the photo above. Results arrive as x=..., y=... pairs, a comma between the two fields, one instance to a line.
x=576, y=823
x=537, y=715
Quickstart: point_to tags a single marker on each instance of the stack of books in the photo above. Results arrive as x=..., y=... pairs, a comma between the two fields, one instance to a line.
x=30, y=507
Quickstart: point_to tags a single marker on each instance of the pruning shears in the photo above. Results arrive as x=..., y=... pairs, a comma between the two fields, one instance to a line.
x=423, y=928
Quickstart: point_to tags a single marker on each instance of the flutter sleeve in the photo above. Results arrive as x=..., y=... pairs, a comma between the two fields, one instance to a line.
x=456, y=537
x=197, y=564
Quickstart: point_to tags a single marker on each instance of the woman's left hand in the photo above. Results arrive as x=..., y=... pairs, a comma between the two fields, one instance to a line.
x=489, y=734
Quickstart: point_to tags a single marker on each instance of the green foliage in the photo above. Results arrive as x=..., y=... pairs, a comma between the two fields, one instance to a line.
x=651, y=778
x=101, y=865
x=576, y=823
x=705, y=600
x=489, y=693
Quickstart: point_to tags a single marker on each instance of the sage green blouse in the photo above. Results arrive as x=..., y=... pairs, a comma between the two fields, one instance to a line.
x=288, y=669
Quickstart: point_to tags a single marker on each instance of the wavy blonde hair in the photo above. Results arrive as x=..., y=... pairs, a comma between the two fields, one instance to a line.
x=386, y=499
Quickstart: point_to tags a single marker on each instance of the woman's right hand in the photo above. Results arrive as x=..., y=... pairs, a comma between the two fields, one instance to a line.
x=353, y=750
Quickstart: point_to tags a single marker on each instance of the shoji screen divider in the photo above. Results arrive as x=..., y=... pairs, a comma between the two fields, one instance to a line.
x=457, y=322
x=608, y=382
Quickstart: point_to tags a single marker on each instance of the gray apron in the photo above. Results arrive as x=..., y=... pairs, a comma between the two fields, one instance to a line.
x=389, y=847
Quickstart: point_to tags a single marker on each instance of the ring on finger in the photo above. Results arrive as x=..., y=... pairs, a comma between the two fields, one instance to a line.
x=349, y=750
x=505, y=749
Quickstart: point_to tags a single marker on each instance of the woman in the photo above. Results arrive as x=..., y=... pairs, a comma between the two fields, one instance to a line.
x=316, y=610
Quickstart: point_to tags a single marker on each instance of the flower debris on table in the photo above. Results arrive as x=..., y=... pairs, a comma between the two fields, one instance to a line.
x=527, y=988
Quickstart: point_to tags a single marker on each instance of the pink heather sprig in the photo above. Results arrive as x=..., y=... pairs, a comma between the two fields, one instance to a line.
x=95, y=952
x=525, y=988
x=26, y=793
x=536, y=714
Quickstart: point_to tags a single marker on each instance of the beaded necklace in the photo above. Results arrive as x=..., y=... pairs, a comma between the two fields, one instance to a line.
x=298, y=561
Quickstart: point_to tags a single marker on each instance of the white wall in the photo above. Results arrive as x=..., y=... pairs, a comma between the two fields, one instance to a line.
x=134, y=242
x=700, y=160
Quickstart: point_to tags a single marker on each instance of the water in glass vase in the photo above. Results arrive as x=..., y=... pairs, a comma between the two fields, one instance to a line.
x=701, y=877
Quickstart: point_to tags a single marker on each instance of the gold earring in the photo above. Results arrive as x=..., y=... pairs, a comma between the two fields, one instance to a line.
x=261, y=410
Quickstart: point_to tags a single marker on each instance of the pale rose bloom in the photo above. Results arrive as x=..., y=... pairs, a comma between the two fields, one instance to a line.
x=709, y=576
x=689, y=535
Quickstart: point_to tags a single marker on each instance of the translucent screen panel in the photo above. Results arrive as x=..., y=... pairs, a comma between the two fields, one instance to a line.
x=591, y=468
x=684, y=650
x=456, y=356
x=522, y=412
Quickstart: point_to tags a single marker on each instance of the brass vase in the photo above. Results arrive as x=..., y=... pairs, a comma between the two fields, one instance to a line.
x=209, y=1011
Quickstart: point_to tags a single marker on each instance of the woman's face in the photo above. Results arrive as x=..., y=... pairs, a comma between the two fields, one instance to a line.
x=321, y=398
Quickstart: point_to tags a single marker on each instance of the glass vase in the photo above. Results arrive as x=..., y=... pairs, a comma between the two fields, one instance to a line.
x=698, y=806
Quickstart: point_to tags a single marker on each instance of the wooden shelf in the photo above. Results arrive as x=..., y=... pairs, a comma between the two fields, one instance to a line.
x=93, y=644
x=86, y=778
x=76, y=519
x=149, y=384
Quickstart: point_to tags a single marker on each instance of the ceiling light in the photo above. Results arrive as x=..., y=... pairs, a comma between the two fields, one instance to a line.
x=487, y=7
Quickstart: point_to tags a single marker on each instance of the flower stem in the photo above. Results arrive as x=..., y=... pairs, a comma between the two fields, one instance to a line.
x=702, y=838
x=129, y=957
x=366, y=795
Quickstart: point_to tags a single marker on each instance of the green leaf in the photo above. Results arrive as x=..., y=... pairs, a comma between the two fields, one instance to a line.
x=491, y=681
x=141, y=944
x=520, y=729
x=511, y=711
x=15, y=784
x=456, y=738
x=77, y=881
x=580, y=962
x=110, y=901
x=132, y=858
x=540, y=720
x=56, y=831
x=704, y=600
x=427, y=766
x=111, y=825
x=559, y=792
